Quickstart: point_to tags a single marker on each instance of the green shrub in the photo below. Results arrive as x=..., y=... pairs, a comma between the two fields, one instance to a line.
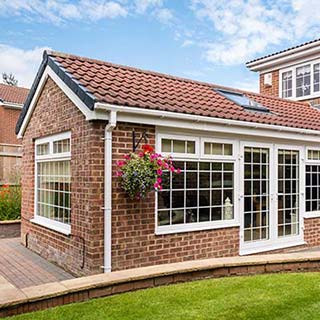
x=10, y=202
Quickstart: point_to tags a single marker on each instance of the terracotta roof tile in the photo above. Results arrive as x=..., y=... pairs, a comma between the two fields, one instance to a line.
x=13, y=94
x=122, y=85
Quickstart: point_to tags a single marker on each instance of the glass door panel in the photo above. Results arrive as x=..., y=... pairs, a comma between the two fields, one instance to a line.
x=256, y=194
x=288, y=192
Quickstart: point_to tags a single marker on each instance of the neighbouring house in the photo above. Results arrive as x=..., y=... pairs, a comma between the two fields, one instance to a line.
x=293, y=73
x=249, y=181
x=11, y=102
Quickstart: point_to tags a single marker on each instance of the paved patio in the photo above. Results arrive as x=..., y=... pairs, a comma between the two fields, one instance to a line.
x=24, y=268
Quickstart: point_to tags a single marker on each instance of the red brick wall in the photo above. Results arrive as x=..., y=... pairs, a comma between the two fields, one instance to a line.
x=312, y=231
x=134, y=243
x=270, y=90
x=55, y=113
x=8, y=120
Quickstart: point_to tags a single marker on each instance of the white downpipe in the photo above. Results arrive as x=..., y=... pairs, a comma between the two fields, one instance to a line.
x=108, y=189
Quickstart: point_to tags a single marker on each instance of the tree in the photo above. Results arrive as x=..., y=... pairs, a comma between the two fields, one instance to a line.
x=9, y=79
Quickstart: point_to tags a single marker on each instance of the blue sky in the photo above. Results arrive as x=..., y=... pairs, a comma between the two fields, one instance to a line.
x=208, y=40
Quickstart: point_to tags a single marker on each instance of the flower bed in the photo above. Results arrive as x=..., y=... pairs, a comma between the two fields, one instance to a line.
x=10, y=202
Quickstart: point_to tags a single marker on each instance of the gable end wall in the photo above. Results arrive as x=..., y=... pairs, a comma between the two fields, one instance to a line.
x=55, y=113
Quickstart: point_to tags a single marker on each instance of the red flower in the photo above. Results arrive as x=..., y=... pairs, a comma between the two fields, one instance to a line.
x=147, y=148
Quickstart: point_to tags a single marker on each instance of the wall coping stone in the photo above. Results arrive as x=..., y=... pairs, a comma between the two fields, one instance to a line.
x=13, y=297
x=10, y=221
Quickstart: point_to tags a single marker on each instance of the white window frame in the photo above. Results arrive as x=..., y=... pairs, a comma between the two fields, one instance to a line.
x=293, y=69
x=65, y=156
x=281, y=80
x=198, y=157
x=216, y=156
x=310, y=214
x=161, y=136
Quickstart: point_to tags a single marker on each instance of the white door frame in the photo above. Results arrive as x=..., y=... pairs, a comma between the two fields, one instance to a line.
x=273, y=242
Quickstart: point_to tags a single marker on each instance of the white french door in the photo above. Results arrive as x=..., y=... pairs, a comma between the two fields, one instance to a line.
x=270, y=197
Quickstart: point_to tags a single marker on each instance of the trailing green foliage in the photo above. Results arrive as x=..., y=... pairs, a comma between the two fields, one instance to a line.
x=140, y=173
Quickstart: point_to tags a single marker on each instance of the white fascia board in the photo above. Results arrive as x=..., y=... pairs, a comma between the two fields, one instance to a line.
x=284, y=57
x=194, y=122
x=48, y=72
x=11, y=105
x=292, y=63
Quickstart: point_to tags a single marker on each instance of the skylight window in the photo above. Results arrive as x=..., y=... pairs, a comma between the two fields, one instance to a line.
x=242, y=100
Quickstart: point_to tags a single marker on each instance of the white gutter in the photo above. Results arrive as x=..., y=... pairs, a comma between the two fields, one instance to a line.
x=204, y=119
x=288, y=55
x=108, y=189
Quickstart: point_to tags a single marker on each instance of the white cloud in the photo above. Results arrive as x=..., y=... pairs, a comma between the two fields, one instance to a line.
x=22, y=63
x=98, y=9
x=187, y=43
x=58, y=11
x=242, y=29
x=142, y=6
x=164, y=15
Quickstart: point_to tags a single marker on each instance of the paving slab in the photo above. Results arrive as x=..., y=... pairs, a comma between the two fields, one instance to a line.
x=23, y=268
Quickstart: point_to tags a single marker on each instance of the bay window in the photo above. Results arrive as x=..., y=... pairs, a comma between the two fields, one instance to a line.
x=300, y=81
x=303, y=81
x=53, y=182
x=286, y=84
x=202, y=195
x=316, y=77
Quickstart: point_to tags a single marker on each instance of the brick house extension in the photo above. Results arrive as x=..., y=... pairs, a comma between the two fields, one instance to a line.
x=11, y=102
x=250, y=168
x=293, y=73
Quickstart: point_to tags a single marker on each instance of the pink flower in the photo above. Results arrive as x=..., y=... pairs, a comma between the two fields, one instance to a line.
x=159, y=180
x=141, y=154
x=156, y=185
x=126, y=156
x=178, y=170
x=119, y=173
x=171, y=169
x=121, y=163
x=154, y=156
x=159, y=162
x=159, y=172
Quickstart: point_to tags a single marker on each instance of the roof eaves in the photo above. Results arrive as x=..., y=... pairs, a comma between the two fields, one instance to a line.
x=83, y=94
x=32, y=92
x=273, y=55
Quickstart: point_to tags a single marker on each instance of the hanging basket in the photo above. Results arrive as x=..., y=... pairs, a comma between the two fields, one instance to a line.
x=140, y=173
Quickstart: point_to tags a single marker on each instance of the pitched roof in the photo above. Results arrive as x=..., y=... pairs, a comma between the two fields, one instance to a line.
x=13, y=94
x=99, y=81
x=285, y=50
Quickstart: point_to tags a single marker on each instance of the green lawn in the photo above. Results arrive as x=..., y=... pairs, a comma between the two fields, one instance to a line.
x=278, y=296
